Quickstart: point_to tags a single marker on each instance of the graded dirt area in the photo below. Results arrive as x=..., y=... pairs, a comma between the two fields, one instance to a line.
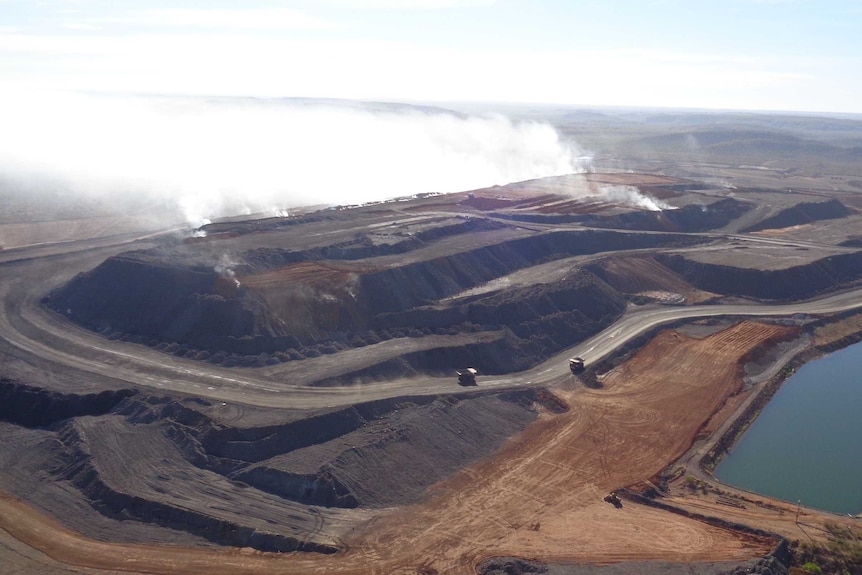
x=540, y=496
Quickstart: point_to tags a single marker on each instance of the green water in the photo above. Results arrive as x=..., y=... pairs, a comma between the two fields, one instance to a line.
x=807, y=443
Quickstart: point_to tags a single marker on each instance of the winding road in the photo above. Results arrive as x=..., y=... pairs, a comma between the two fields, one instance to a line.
x=45, y=341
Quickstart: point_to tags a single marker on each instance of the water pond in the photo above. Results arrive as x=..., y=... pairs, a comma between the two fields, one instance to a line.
x=807, y=443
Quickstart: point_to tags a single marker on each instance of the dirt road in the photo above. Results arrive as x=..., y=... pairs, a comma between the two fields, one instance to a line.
x=43, y=338
x=540, y=496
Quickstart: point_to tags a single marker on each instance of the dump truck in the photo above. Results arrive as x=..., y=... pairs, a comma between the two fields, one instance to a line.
x=467, y=376
x=576, y=364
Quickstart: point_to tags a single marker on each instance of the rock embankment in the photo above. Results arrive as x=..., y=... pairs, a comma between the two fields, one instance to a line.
x=32, y=406
x=793, y=283
x=519, y=566
x=690, y=219
x=281, y=487
x=303, y=308
x=693, y=218
x=803, y=213
x=262, y=302
x=123, y=498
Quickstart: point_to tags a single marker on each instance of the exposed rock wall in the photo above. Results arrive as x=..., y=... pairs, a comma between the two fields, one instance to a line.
x=804, y=213
x=32, y=406
x=152, y=297
x=798, y=282
x=164, y=462
x=363, y=455
x=538, y=321
x=83, y=473
x=689, y=219
x=165, y=301
x=319, y=488
x=426, y=282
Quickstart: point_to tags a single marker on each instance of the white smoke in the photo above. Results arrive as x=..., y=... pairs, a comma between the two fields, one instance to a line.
x=632, y=196
x=228, y=157
x=224, y=268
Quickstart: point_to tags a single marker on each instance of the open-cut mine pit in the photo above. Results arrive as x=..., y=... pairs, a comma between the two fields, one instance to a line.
x=279, y=395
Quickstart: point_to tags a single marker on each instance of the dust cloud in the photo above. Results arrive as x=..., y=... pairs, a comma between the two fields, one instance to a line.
x=207, y=158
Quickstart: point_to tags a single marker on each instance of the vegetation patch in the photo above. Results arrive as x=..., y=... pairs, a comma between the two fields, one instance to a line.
x=841, y=553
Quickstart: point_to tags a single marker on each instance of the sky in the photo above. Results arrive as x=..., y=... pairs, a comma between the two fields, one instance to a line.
x=799, y=55
x=123, y=101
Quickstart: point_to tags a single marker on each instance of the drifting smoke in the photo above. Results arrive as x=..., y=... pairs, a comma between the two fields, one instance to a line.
x=229, y=157
x=631, y=196
x=224, y=268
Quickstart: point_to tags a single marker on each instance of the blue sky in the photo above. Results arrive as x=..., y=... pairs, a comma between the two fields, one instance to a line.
x=802, y=55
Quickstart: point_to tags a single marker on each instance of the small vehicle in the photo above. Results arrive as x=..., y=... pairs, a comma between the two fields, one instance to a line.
x=467, y=376
x=576, y=364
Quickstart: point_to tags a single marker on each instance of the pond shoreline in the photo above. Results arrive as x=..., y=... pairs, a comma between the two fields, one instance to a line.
x=704, y=456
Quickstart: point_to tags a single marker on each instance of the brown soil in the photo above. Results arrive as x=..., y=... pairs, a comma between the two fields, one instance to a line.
x=737, y=506
x=311, y=273
x=540, y=496
x=833, y=332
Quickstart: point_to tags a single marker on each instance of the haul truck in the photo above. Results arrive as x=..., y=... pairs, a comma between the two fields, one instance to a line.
x=576, y=364
x=467, y=376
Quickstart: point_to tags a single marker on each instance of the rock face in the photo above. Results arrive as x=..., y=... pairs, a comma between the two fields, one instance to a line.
x=279, y=487
x=88, y=468
x=276, y=305
x=797, y=282
x=520, y=566
x=804, y=213
x=510, y=566
x=32, y=406
x=136, y=294
x=692, y=218
x=538, y=320
x=700, y=217
x=271, y=291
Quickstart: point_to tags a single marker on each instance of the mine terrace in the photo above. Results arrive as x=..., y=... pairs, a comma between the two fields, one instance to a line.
x=281, y=395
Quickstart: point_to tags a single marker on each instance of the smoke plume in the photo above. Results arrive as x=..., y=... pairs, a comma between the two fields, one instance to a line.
x=632, y=196
x=217, y=157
